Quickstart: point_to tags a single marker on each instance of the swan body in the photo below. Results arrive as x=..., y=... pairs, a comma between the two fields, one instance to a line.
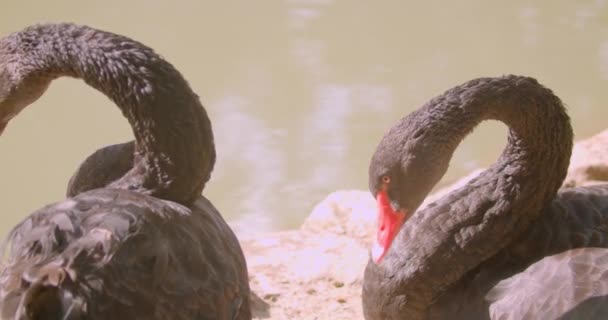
x=121, y=253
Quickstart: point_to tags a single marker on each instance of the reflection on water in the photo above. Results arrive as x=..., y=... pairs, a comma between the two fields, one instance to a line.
x=300, y=91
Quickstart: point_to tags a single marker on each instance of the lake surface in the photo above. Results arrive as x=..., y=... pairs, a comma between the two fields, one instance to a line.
x=301, y=91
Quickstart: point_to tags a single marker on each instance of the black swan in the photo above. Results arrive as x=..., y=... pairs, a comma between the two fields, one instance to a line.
x=146, y=245
x=441, y=262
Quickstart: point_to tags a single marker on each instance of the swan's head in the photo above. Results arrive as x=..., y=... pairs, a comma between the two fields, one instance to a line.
x=404, y=168
x=19, y=87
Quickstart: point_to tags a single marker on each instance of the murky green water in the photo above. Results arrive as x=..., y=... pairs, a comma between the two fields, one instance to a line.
x=300, y=91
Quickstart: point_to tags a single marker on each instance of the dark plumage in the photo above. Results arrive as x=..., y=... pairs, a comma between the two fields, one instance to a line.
x=101, y=168
x=136, y=240
x=571, y=285
x=446, y=258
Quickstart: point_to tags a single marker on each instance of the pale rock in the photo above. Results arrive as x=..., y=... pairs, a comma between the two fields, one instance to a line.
x=589, y=161
x=350, y=213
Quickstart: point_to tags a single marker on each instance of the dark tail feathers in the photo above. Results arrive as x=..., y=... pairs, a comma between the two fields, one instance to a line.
x=45, y=295
x=49, y=302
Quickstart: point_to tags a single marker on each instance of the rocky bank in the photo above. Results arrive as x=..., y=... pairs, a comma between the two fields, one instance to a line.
x=316, y=272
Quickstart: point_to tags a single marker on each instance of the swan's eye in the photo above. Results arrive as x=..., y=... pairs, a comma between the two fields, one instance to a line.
x=386, y=179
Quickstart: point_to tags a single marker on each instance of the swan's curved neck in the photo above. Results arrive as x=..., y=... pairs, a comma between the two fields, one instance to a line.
x=442, y=242
x=174, y=142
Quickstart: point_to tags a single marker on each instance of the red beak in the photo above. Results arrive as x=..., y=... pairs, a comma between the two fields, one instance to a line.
x=389, y=224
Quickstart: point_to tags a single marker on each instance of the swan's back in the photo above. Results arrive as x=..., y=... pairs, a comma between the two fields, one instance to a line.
x=102, y=167
x=569, y=285
x=126, y=255
x=556, y=268
x=571, y=281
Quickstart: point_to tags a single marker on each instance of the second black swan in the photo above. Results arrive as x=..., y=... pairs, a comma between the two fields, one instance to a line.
x=446, y=260
x=146, y=245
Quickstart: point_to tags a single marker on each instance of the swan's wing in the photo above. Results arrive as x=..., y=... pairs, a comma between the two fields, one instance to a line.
x=124, y=254
x=102, y=167
x=569, y=285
